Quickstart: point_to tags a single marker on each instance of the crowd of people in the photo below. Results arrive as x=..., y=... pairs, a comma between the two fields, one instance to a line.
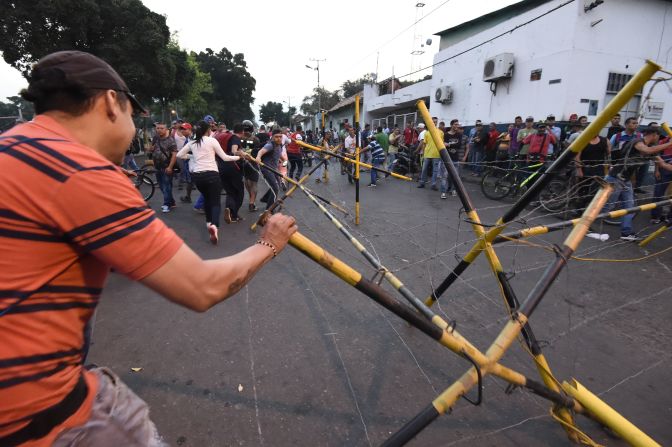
x=410, y=151
x=69, y=216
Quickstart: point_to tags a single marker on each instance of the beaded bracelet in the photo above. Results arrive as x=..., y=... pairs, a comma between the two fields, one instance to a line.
x=268, y=244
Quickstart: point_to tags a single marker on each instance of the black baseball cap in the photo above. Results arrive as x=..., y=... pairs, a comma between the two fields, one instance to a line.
x=86, y=70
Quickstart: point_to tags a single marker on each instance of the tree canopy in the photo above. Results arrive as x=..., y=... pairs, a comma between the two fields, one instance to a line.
x=137, y=43
x=232, y=85
x=274, y=112
x=327, y=100
x=351, y=88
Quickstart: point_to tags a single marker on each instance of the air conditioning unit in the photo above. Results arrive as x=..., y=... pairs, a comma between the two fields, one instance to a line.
x=444, y=95
x=498, y=67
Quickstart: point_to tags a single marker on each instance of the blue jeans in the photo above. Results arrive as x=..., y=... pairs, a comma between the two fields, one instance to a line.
x=641, y=174
x=659, y=192
x=436, y=167
x=200, y=203
x=129, y=162
x=622, y=194
x=185, y=175
x=446, y=181
x=374, y=173
x=476, y=157
x=390, y=160
x=165, y=182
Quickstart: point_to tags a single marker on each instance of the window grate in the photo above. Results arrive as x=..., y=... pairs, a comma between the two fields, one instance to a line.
x=617, y=81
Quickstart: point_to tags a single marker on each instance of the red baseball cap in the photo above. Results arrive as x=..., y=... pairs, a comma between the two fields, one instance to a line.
x=186, y=126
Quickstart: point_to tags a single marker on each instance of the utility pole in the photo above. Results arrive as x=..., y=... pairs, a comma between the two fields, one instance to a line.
x=317, y=68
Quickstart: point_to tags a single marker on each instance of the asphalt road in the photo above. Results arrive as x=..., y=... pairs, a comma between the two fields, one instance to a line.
x=298, y=357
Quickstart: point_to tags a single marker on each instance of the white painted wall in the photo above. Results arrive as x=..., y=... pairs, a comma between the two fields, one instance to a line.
x=565, y=46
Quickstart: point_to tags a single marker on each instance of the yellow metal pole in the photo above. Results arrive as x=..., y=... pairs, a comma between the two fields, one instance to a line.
x=608, y=416
x=357, y=146
x=448, y=337
x=653, y=235
x=666, y=128
x=630, y=89
x=290, y=191
x=496, y=267
x=352, y=160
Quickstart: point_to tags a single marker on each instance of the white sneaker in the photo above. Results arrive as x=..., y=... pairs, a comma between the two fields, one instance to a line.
x=443, y=195
x=453, y=193
x=213, y=234
x=630, y=238
x=165, y=209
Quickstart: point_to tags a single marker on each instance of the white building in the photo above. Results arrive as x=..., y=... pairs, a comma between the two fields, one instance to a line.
x=551, y=57
x=396, y=105
x=539, y=57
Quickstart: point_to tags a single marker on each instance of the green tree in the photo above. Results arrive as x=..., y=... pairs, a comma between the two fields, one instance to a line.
x=351, y=88
x=232, y=85
x=195, y=104
x=125, y=33
x=271, y=111
x=275, y=112
x=327, y=100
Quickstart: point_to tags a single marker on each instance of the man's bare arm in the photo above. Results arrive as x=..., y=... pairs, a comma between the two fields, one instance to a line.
x=199, y=284
x=643, y=148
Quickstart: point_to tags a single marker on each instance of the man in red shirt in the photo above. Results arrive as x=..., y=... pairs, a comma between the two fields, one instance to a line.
x=69, y=215
x=491, y=145
x=539, y=142
x=294, y=154
x=410, y=135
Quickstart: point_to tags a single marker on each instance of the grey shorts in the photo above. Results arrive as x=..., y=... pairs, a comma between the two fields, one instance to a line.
x=118, y=417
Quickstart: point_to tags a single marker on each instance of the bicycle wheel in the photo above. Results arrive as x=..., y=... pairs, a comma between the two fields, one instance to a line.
x=555, y=196
x=497, y=184
x=145, y=185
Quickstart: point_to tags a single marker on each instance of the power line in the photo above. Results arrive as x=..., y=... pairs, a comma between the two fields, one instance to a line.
x=489, y=40
x=402, y=32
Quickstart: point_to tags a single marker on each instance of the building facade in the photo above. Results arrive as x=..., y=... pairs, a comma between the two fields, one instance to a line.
x=554, y=57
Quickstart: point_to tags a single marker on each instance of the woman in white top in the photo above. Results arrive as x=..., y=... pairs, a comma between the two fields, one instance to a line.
x=201, y=152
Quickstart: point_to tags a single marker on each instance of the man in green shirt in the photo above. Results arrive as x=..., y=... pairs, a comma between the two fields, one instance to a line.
x=383, y=139
x=431, y=156
x=523, y=133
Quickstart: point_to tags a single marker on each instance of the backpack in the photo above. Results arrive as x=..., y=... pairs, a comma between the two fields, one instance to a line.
x=618, y=139
x=223, y=140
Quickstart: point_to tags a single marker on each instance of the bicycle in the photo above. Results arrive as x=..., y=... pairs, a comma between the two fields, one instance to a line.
x=144, y=183
x=499, y=183
x=569, y=193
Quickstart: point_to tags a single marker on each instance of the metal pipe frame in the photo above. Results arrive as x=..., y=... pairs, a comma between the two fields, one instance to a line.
x=352, y=160
x=291, y=190
x=446, y=400
x=506, y=290
x=544, y=229
x=357, y=150
x=617, y=103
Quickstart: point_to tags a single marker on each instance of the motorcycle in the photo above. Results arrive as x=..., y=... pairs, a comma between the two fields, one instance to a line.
x=406, y=162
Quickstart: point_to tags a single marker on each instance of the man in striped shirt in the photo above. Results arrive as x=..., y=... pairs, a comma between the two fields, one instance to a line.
x=67, y=216
x=377, y=158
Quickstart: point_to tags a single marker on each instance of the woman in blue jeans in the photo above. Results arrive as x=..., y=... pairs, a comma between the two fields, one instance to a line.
x=205, y=173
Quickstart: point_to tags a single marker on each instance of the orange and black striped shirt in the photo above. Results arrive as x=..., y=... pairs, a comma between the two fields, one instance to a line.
x=67, y=215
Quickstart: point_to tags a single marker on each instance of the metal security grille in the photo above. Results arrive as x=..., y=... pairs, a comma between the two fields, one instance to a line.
x=617, y=81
